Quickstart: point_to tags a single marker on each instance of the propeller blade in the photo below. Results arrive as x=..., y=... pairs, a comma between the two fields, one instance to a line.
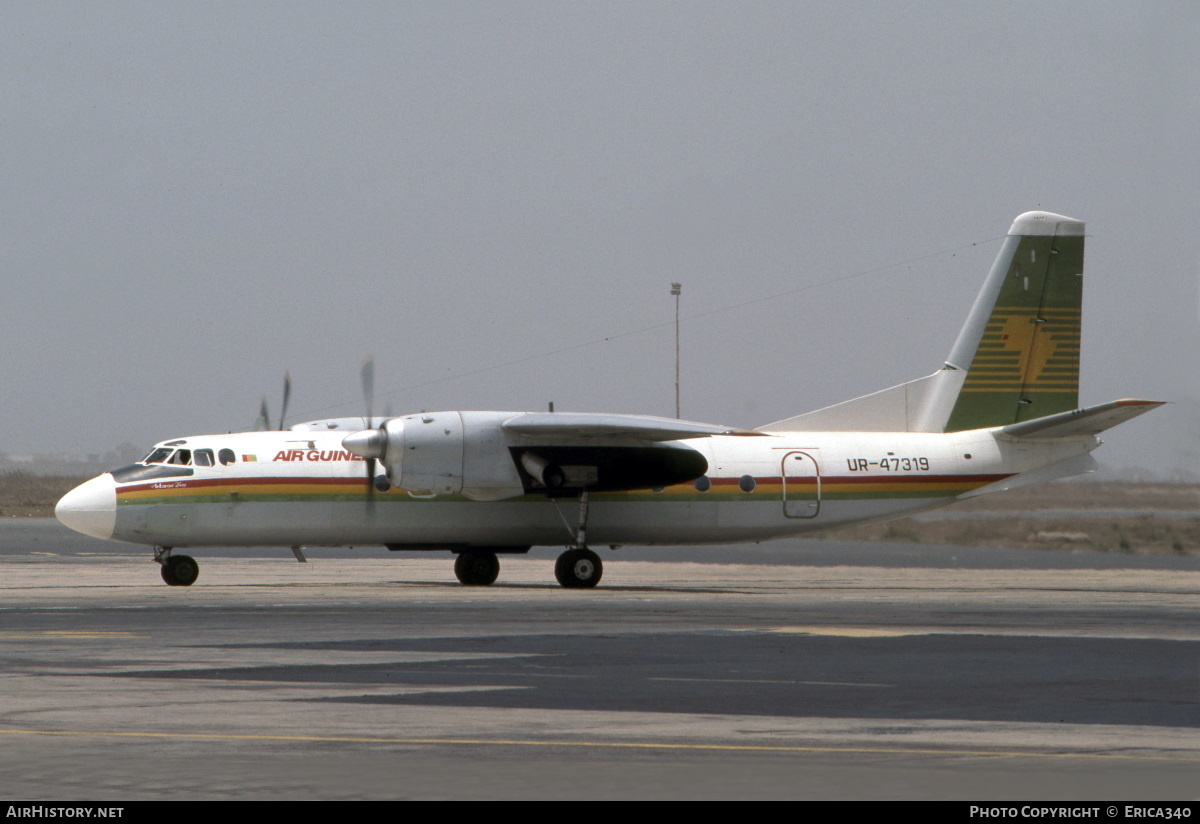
x=368, y=384
x=287, y=393
x=264, y=418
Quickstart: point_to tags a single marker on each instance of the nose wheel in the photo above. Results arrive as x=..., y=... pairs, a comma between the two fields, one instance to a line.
x=177, y=570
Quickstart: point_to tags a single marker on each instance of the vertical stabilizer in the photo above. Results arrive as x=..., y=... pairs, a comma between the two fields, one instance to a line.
x=1020, y=345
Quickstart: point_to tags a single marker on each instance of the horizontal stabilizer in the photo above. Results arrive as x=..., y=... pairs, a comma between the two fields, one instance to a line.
x=589, y=425
x=1079, y=422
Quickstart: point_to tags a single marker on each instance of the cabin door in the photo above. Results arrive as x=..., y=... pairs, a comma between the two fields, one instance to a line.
x=801, y=485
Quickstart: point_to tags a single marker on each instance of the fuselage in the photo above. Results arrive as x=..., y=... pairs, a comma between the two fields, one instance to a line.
x=305, y=488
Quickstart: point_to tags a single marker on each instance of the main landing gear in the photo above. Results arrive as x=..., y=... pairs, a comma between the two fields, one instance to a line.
x=575, y=569
x=177, y=570
x=476, y=567
x=579, y=567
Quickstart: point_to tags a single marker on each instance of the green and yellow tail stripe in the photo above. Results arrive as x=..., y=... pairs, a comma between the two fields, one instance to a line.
x=1024, y=349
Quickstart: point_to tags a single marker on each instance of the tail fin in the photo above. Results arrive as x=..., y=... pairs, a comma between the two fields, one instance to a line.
x=1024, y=362
x=1016, y=358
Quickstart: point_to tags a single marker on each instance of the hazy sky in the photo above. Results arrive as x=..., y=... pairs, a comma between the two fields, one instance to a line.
x=494, y=198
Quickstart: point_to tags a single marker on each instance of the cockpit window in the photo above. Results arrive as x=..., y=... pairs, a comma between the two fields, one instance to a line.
x=157, y=456
x=187, y=457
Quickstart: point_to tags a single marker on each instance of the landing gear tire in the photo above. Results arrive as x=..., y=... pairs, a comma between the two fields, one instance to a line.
x=578, y=569
x=477, y=569
x=180, y=570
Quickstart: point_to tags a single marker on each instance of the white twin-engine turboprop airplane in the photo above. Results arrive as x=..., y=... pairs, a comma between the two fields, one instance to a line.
x=1000, y=413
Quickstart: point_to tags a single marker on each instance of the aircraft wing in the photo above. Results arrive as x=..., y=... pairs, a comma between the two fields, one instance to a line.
x=1079, y=422
x=603, y=426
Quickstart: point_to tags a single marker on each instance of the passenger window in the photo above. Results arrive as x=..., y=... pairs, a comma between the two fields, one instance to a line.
x=226, y=457
x=203, y=457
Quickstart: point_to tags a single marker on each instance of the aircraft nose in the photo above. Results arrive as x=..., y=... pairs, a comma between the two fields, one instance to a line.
x=91, y=507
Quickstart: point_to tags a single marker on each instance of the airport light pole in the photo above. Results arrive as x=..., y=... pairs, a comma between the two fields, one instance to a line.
x=676, y=290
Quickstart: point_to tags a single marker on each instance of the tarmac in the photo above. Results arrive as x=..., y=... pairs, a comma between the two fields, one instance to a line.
x=920, y=673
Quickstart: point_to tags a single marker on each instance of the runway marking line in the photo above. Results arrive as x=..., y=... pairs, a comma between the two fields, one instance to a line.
x=613, y=745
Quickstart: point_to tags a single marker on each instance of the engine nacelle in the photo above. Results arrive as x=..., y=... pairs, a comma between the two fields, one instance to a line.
x=444, y=453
